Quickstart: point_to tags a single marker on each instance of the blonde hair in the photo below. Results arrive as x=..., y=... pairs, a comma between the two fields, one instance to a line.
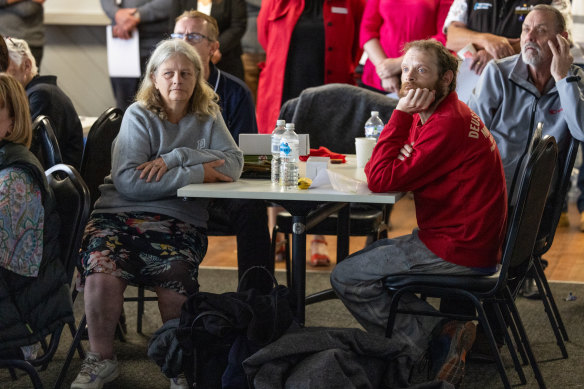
x=18, y=50
x=13, y=98
x=204, y=99
x=212, y=26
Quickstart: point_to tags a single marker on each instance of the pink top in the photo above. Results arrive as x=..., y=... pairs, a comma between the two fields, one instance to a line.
x=396, y=22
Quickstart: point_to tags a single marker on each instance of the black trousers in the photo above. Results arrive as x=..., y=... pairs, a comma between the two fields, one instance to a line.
x=248, y=220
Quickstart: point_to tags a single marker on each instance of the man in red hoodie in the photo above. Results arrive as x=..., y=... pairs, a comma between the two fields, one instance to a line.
x=437, y=148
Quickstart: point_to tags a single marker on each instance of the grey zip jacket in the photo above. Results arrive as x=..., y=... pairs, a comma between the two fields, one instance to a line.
x=511, y=106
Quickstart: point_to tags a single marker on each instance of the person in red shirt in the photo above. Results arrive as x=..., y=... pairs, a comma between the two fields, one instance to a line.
x=437, y=148
x=308, y=43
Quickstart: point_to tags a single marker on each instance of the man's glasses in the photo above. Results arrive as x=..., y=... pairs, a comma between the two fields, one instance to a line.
x=192, y=37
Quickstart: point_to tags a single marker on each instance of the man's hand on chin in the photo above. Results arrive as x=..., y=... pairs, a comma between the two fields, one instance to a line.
x=416, y=100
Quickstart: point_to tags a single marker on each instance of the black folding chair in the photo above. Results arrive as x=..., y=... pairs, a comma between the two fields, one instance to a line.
x=528, y=201
x=72, y=197
x=96, y=162
x=545, y=239
x=44, y=142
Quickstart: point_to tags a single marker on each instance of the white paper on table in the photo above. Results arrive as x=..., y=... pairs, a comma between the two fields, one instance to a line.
x=123, y=55
x=466, y=80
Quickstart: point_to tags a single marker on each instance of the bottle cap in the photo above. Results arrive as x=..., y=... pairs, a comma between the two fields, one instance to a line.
x=374, y=113
x=290, y=125
x=280, y=122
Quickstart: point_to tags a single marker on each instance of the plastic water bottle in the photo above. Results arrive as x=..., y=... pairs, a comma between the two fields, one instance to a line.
x=276, y=136
x=373, y=126
x=289, y=158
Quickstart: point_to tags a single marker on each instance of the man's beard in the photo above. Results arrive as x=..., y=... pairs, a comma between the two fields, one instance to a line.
x=530, y=57
x=440, y=90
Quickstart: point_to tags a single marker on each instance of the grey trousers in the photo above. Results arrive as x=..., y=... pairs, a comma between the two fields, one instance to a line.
x=357, y=280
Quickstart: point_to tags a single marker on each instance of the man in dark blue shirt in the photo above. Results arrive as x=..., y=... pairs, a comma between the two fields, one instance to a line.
x=246, y=218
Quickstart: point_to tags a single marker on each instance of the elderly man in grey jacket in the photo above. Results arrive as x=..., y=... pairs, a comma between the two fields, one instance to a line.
x=539, y=85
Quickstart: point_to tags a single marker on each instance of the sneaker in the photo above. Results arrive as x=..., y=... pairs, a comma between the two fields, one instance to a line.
x=449, y=348
x=179, y=382
x=564, y=221
x=529, y=289
x=95, y=372
x=319, y=250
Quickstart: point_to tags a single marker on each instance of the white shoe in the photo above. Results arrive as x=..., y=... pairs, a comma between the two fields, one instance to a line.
x=95, y=372
x=179, y=382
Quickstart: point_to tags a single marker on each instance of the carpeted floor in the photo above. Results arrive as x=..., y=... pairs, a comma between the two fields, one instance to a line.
x=139, y=372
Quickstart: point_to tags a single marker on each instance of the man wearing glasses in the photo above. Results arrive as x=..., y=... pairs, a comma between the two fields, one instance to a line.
x=247, y=218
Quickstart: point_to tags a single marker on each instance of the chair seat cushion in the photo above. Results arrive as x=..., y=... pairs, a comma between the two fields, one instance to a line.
x=476, y=284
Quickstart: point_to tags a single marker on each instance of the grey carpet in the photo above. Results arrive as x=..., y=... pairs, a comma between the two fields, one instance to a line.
x=139, y=372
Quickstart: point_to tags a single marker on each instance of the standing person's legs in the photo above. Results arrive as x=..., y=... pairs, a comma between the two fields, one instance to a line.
x=252, y=70
x=124, y=89
x=358, y=281
x=249, y=221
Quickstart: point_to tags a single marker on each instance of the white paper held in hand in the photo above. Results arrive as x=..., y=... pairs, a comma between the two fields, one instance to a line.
x=123, y=55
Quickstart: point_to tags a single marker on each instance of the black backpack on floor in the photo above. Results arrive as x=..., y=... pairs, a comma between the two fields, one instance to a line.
x=218, y=331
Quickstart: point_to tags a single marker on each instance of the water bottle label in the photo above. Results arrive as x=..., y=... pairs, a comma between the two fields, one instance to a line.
x=285, y=148
x=275, y=148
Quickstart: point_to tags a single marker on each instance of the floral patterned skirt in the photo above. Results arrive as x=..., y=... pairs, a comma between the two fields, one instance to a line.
x=144, y=249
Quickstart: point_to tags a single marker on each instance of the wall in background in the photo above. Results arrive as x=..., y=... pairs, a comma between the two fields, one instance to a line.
x=77, y=56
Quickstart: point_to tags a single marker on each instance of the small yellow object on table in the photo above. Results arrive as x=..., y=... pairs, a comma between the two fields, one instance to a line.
x=304, y=183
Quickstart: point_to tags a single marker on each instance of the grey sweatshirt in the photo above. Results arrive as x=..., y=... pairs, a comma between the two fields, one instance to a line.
x=511, y=106
x=184, y=147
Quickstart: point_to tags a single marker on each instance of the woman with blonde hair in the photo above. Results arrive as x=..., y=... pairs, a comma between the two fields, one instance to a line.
x=140, y=232
x=33, y=282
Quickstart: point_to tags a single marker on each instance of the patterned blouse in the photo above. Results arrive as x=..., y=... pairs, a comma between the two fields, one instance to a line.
x=21, y=222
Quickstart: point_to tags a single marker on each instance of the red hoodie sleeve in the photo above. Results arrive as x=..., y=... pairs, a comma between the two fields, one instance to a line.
x=431, y=157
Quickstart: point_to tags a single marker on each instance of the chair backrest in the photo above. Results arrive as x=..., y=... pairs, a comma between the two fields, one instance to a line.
x=96, y=162
x=72, y=196
x=534, y=180
x=556, y=199
x=44, y=142
x=334, y=114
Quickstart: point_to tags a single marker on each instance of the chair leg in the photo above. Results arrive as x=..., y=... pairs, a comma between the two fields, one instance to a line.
x=503, y=323
x=12, y=374
x=140, y=312
x=27, y=368
x=550, y=297
x=76, y=343
x=524, y=339
x=79, y=347
x=516, y=337
x=484, y=321
x=551, y=317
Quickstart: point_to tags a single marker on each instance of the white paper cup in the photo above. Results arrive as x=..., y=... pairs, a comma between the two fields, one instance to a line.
x=364, y=148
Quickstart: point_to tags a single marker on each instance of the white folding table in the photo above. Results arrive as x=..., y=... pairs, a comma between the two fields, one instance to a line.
x=307, y=207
